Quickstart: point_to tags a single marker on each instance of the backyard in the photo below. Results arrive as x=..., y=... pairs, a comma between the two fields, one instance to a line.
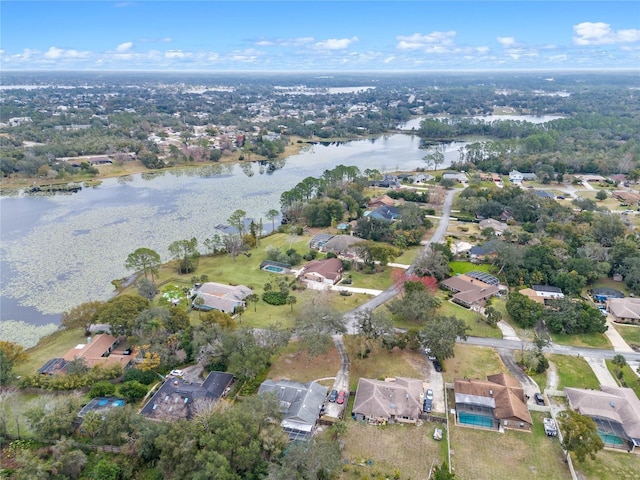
x=482, y=454
x=383, y=451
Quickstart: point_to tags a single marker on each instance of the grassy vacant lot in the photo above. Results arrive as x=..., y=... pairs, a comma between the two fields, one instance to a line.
x=378, y=281
x=593, y=340
x=629, y=379
x=482, y=454
x=52, y=346
x=574, y=372
x=609, y=465
x=409, y=255
x=294, y=365
x=473, y=362
x=407, y=449
x=381, y=363
x=479, y=328
x=630, y=333
x=464, y=267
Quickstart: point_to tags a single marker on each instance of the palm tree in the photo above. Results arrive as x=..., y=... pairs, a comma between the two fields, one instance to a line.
x=291, y=300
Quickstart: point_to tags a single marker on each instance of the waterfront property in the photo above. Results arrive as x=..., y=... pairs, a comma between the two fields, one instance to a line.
x=216, y=296
x=300, y=403
x=615, y=410
x=389, y=401
x=97, y=351
x=495, y=403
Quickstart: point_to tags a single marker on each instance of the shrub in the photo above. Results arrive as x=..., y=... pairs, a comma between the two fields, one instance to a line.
x=133, y=391
x=102, y=389
x=137, y=375
x=274, y=298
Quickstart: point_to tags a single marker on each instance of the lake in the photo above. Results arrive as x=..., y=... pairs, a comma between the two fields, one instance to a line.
x=59, y=251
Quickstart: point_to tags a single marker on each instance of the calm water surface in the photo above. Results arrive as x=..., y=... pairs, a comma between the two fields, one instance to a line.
x=59, y=251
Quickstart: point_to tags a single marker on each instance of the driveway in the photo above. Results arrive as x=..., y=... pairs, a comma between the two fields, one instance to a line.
x=528, y=385
x=342, y=379
x=436, y=383
x=602, y=372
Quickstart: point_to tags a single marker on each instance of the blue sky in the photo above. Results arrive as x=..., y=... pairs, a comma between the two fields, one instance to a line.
x=319, y=36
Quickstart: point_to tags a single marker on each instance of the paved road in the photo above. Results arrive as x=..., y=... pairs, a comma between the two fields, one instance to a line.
x=594, y=353
x=385, y=296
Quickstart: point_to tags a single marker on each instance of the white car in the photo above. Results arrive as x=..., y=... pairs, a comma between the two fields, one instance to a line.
x=429, y=394
x=176, y=373
x=427, y=352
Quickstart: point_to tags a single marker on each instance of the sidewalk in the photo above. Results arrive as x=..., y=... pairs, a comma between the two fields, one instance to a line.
x=617, y=342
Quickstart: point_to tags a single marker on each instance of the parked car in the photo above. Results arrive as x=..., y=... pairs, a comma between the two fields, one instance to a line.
x=341, y=397
x=333, y=396
x=426, y=405
x=429, y=394
x=539, y=398
x=427, y=352
x=176, y=373
x=437, y=365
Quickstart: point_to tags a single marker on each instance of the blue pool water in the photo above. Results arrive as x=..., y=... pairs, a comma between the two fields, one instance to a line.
x=118, y=403
x=475, y=420
x=609, y=439
x=103, y=402
x=272, y=268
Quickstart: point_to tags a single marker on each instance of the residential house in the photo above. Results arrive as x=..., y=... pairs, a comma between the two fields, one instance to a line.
x=547, y=291
x=319, y=241
x=543, y=194
x=342, y=245
x=299, y=402
x=386, y=213
x=388, y=401
x=498, y=227
x=496, y=403
x=96, y=352
x=601, y=295
x=387, y=181
x=470, y=291
x=515, y=177
x=532, y=295
x=624, y=310
x=630, y=198
x=178, y=398
x=383, y=200
x=529, y=177
x=421, y=178
x=481, y=253
x=216, y=296
x=615, y=410
x=323, y=271
x=455, y=176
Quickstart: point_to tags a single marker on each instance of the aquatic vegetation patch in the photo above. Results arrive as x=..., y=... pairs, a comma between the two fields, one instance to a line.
x=23, y=333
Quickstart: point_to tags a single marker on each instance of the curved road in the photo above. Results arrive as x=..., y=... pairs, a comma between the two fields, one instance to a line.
x=388, y=294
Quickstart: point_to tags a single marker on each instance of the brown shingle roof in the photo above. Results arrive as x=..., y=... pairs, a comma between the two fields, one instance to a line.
x=99, y=346
x=329, y=268
x=382, y=399
x=505, y=391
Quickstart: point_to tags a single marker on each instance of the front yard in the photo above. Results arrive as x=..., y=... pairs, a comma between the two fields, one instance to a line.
x=473, y=362
x=609, y=465
x=482, y=454
x=574, y=372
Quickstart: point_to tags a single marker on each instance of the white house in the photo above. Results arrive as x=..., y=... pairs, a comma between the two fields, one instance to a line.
x=515, y=177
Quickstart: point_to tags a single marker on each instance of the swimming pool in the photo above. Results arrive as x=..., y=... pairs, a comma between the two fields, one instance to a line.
x=610, y=439
x=118, y=403
x=273, y=268
x=475, y=420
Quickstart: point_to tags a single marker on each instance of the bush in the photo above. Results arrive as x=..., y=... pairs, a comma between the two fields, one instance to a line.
x=133, y=391
x=102, y=389
x=137, y=375
x=274, y=298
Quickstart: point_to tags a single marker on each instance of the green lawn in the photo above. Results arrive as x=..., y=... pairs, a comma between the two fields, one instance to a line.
x=52, y=346
x=609, y=465
x=381, y=363
x=478, y=327
x=593, y=340
x=378, y=280
x=630, y=333
x=465, y=267
x=470, y=361
x=292, y=364
x=482, y=454
x=574, y=372
x=408, y=256
x=629, y=379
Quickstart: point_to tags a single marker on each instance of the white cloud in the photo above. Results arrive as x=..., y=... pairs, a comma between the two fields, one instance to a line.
x=166, y=40
x=174, y=54
x=124, y=47
x=389, y=59
x=55, y=53
x=600, y=33
x=506, y=41
x=285, y=42
x=335, y=43
x=418, y=41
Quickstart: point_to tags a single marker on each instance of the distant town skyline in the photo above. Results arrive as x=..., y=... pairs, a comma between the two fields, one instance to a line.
x=319, y=36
